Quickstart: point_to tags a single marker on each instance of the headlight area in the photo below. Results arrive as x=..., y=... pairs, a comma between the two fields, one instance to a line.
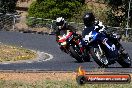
x=63, y=43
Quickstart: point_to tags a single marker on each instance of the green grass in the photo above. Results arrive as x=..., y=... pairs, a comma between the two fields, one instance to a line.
x=58, y=84
x=11, y=53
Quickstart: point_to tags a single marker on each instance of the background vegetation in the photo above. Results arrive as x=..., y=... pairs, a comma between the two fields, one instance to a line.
x=7, y=6
x=118, y=13
x=53, y=8
x=115, y=12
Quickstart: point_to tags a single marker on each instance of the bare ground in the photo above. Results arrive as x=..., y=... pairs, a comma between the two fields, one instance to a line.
x=33, y=77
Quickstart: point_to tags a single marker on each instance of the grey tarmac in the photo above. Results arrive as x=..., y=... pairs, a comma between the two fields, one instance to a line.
x=59, y=62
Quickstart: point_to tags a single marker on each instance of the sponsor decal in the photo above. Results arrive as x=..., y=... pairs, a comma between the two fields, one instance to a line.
x=83, y=77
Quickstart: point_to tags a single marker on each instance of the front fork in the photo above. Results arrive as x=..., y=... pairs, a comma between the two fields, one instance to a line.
x=101, y=51
x=107, y=44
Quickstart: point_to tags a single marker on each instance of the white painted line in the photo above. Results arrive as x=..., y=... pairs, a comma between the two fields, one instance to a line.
x=38, y=59
x=50, y=57
x=29, y=62
x=5, y=63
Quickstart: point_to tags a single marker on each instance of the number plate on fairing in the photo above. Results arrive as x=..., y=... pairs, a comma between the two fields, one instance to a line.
x=70, y=38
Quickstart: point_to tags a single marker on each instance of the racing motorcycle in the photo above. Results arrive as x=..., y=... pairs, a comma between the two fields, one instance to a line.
x=70, y=44
x=104, y=51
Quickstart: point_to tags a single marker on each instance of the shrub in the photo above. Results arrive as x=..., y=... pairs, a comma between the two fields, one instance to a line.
x=53, y=8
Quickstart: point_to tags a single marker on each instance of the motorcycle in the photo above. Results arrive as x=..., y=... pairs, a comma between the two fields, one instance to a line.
x=104, y=51
x=70, y=43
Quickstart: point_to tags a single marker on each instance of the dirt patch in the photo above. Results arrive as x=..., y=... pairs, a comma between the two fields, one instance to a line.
x=23, y=27
x=33, y=77
x=22, y=24
x=24, y=3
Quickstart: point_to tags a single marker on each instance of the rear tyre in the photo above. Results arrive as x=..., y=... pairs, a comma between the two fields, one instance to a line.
x=75, y=54
x=95, y=54
x=124, y=60
x=86, y=58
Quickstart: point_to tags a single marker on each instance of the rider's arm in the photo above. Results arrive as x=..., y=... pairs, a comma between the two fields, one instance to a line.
x=100, y=27
x=71, y=28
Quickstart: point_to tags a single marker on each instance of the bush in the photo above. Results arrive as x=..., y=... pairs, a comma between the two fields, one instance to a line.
x=34, y=22
x=54, y=8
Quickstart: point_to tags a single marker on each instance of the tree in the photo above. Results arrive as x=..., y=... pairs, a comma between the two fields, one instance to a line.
x=119, y=12
x=7, y=6
x=54, y=8
x=115, y=2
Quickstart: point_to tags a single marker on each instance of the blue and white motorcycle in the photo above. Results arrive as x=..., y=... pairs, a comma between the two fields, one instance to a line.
x=104, y=51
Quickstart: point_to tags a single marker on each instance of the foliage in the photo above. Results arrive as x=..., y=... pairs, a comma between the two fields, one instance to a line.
x=33, y=22
x=7, y=6
x=118, y=13
x=115, y=12
x=115, y=2
x=77, y=17
x=99, y=11
x=53, y=8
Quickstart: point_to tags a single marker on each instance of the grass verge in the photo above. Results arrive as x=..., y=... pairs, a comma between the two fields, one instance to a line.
x=57, y=84
x=48, y=80
x=10, y=53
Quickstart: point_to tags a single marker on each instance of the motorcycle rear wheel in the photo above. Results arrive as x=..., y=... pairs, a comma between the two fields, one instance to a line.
x=124, y=60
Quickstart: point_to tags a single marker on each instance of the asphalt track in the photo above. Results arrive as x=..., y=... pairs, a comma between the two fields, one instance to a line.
x=60, y=60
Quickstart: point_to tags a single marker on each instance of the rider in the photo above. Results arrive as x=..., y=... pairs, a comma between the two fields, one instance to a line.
x=62, y=29
x=91, y=24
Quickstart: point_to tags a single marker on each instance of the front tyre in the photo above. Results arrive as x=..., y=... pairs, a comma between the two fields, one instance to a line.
x=86, y=58
x=96, y=55
x=75, y=54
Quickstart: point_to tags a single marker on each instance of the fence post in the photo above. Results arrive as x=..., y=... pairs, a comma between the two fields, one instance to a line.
x=128, y=18
x=51, y=27
x=14, y=22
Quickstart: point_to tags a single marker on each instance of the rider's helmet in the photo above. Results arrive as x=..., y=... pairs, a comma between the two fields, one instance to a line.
x=88, y=19
x=60, y=22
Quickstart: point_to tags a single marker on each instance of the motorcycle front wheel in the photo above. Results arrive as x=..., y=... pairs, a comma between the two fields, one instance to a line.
x=96, y=55
x=75, y=54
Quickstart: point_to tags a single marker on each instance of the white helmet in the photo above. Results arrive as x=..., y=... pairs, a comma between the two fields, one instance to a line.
x=60, y=21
